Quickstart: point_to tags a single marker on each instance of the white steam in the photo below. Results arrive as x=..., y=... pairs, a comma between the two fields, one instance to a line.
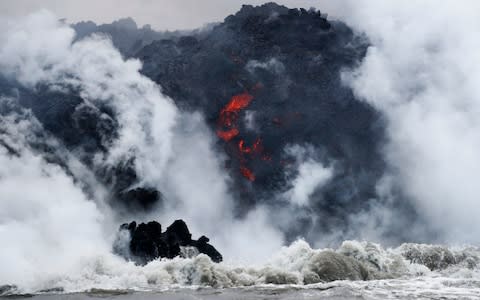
x=312, y=176
x=273, y=65
x=423, y=73
x=197, y=188
x=47, y=223
x=39, y=49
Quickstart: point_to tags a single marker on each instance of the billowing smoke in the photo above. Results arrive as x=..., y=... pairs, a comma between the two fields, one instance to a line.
x=101, y=76
x=48, y=225
x=422, y=72
x=45, y=204
x=306, y=149
x=312, y=175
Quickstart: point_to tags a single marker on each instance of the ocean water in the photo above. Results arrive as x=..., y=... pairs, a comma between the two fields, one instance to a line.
x=355, y=270
x=415, y=288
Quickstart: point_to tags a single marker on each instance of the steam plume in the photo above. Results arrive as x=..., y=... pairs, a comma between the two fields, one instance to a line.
x=422, y=72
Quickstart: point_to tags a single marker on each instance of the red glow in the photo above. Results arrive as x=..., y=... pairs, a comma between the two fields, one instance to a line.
x=238, y=102
x=228, y=134
x=256, y=148
x=247, y=173
x=227, y=130
x=229, y=114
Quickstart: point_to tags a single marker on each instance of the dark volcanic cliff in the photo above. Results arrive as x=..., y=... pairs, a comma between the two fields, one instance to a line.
x=288, y=62
x=267, y=79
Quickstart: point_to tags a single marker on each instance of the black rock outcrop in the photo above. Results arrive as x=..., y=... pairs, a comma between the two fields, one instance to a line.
x=148, y=242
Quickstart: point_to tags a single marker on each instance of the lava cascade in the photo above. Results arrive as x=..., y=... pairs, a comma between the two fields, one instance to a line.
x=228, y=130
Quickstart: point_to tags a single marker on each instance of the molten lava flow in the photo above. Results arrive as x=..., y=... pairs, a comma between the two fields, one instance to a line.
x=256, y=148
x=228, y=130
x=247, y=173
x=228, y=134
x=238, y=102
x=242, y=148
x=227, y=122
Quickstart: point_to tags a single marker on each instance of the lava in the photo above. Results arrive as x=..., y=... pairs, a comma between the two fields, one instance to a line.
x=228, y=129
x=247, y=173
x=229, y=115
x=227, y=135
x=256, y=148
x=238, y=102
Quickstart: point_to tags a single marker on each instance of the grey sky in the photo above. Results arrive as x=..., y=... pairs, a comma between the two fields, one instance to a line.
x=161, y=14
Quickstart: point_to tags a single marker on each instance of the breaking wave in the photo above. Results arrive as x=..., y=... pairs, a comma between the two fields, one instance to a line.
x=297, y=264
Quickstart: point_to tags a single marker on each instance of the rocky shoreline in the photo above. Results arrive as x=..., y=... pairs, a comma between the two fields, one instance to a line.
x=147, y=242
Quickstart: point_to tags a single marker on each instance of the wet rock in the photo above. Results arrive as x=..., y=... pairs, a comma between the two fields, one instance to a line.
x=178, y=233
x=148, y=242
x=204, y=247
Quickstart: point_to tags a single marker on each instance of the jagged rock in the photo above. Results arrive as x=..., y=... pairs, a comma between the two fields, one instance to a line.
x=204, y=247
x=148, y=242
x=178, y=233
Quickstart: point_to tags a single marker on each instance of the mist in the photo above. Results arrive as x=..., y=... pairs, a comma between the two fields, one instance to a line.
x=422, y=72
x=165, y=143
x=48, y=223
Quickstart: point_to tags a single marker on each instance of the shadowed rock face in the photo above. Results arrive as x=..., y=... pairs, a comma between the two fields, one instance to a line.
x=148, y=242
x=266, y=78
x=124, y=33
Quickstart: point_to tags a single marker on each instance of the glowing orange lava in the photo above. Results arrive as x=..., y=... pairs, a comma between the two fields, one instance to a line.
x=247, y=173
x=228, y=129
x=238, y=102
x=228, y=134
x=229, y=114
x=256, y=148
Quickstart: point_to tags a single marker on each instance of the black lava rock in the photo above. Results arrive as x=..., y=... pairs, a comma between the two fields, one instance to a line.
x=148, y=242
x=178, y=233
x=204, y=247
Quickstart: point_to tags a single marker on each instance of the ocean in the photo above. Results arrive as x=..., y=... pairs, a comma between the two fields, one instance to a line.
x=355, y=270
